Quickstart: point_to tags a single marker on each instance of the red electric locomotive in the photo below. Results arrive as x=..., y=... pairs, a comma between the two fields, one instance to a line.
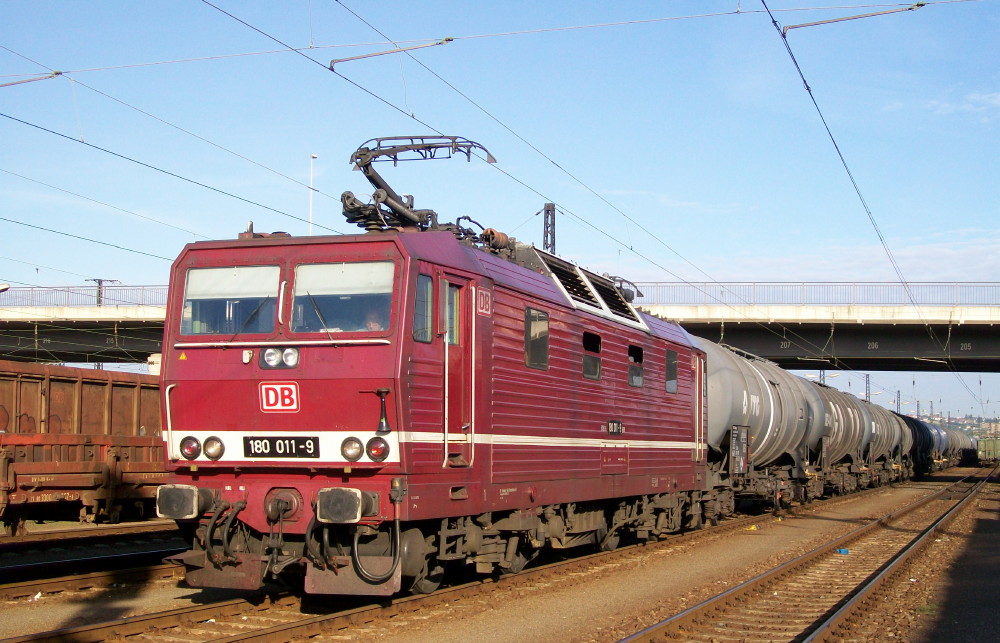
x=362, y=410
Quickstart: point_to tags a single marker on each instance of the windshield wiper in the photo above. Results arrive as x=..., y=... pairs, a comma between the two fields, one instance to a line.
x=250, y=317
x=326, y=327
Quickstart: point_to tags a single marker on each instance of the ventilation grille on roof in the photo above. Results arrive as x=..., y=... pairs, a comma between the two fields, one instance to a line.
x=596, y=293
x=570, y=279
x=611, y=296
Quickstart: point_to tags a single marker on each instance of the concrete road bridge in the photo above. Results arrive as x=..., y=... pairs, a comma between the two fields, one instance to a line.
x=860, y=326
x=104, y=323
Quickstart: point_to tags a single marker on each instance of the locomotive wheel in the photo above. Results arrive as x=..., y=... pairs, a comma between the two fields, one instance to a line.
x=521, y=559
x=419, y=563
x=428, y=582
x=519, y=563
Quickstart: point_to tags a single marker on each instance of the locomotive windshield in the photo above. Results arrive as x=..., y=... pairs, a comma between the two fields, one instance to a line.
x=229, y=301
x=342, y=297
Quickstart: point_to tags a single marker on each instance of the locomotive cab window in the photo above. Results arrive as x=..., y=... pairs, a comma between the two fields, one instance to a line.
x=342, y=297
x=634, y=365
x=671, y=371
x=230, y=300
x=592, y=356
x=423, y=310
x=536, y=338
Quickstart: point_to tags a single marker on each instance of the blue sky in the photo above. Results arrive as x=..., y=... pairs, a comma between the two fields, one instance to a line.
x=677, y=139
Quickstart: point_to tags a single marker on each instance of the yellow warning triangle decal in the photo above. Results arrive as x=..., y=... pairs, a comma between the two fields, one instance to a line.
x=183, y=356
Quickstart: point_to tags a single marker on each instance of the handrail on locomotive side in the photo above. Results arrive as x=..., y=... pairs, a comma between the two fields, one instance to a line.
x=389, y=208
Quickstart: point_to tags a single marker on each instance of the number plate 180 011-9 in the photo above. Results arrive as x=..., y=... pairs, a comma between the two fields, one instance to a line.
x=280, y=447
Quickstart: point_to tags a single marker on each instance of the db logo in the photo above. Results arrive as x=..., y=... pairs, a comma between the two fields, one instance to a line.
x=279, y=397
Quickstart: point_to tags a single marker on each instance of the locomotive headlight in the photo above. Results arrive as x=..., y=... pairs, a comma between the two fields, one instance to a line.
x=190, y=448
x=351, y=449
x=275, y=357
x=272, y=357
x=377, y=449
x=214, y=448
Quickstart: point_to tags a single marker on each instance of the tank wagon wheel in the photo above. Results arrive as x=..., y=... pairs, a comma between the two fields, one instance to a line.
x=710, y=511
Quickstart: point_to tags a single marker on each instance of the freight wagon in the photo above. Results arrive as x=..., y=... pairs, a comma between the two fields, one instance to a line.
x=76, y=443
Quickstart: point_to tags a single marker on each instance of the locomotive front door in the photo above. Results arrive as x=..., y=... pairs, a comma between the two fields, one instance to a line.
x=457, y=331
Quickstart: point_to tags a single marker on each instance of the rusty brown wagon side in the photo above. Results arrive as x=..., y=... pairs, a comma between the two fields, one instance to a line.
x=76, y=442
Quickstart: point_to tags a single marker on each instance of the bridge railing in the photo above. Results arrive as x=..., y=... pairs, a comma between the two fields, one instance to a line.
x=85, y=296
x=666, y=293
x=823, y=293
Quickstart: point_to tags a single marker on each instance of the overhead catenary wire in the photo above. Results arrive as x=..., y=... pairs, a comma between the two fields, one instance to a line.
x=784, y=332
x=627, y=246
x=864, y=203
x=163, y=171
x=388, y=103
x=107, y=205
x=561, y=168
x=503, y=34
x=172, y=125
x=574, y=215
x=80, y=238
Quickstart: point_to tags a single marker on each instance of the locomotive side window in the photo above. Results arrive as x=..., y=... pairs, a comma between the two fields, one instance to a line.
x=230, y=300
x=342, y=297
x=536, y=338
x=453, y=312
x=634, y=365
x=671, y=371
x=423, y=312
x=592, y=356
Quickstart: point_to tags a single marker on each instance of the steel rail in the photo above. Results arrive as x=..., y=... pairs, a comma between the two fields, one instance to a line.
x=672, y=627
x=196, y=622
x=826, y=630
x=77, y=533
x=78, y=582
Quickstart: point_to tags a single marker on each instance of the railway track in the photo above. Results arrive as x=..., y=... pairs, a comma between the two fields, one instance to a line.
x=94, y=580
x=46, y=535
x=281, y=616
x=91, y=551
x=807, y=598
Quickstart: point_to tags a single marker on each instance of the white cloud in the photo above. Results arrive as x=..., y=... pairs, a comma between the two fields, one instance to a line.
x=983, y=104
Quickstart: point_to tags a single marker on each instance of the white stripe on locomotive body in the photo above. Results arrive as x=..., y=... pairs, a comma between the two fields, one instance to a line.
x=553, y=441
x=330, y=441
